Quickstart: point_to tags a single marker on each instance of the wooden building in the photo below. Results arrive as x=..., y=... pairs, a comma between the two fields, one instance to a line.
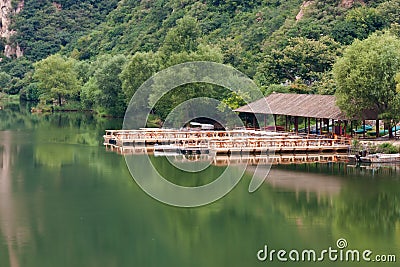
x=318, y=110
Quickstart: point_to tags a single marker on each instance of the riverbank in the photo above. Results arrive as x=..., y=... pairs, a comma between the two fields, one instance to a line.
x=382, y=145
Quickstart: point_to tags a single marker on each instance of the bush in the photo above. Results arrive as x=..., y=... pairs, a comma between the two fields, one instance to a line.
x=387, y=148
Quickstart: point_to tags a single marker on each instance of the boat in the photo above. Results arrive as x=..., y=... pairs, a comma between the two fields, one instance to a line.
x=189, y=150
x=201, y=126
x=175, y=150
x=166, y=150
x=381, y=158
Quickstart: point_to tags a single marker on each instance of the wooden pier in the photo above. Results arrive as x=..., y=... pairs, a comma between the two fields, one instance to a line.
x=222, y=142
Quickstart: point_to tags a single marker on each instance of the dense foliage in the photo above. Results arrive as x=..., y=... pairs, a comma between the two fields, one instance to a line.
x=366, y=76
x=114, y=46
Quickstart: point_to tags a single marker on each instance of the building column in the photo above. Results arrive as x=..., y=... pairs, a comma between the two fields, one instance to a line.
x=296, y=125
x=286, y=123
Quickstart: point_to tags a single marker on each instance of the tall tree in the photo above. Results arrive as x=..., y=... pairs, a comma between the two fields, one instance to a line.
x=302, y=58
x=183, y=93
x=183, y=37
x=112, y=98
x=138, y=69
x=4, y=80
x=56, y=77
x=365, y=76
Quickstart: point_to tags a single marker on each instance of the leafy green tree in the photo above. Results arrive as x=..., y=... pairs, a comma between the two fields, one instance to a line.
x=390, y=10
x=326, y=85
x=365, y=76
x=183, y=37
x=44, y=28
x=302, y=58
x=139, y=68
x=4, y=80
x=190, y=91
x=90, y=94
x=83, y=71
x=234, y=101
x=17, y=68
x=56, y=77
x=275, y=88
x=31, y=92
x=397, y=79
x=359, y=23
x=112, y=98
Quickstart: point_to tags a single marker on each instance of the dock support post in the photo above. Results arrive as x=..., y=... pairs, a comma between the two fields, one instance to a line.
x=327, y=126
x=265, y=122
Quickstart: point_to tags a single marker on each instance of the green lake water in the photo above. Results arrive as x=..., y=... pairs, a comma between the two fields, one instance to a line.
x=66, y=201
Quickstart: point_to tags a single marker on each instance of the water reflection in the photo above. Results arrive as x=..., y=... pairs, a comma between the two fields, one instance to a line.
x=65, y=201
x=320, y=184
x=9, y=228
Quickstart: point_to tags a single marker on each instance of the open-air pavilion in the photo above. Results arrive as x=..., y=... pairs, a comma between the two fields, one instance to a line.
x=319, y=110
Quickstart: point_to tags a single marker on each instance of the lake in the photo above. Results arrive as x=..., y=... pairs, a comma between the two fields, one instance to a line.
x=66, y=201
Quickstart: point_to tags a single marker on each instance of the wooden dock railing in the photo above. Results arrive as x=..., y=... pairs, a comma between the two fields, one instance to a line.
x=223, y=142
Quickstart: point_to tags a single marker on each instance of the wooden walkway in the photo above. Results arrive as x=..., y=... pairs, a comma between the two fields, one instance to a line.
x=222, y=142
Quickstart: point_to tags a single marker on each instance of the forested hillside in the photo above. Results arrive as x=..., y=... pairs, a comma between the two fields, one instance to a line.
x=95, y=54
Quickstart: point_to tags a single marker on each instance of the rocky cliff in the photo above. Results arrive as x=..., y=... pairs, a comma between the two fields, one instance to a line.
x=6, y=10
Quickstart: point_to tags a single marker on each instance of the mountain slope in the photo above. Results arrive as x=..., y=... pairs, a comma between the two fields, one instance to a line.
x=291, y=42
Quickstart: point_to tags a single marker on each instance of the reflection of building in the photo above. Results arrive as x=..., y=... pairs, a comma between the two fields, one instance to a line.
x=8, y=226
x=320, y=184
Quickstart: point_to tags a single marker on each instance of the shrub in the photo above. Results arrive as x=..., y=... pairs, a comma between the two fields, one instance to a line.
x=387, y=148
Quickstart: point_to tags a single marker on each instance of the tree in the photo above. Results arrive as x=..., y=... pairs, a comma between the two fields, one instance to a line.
x=112, y=98
x=390, y=10
x=234, y=101
x=397, y=79
x=184, y=37
x=359, y=23
x=4, y=80
x=183, y=93
x=90, y=93
x=138, y=69
x=56, y=77
x=302, y=58
x=365, y=76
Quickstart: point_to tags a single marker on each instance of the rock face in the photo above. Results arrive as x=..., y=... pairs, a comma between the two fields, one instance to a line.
x=303, y=6
x=350, y=3
x=6, y=9
x=343, y=3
